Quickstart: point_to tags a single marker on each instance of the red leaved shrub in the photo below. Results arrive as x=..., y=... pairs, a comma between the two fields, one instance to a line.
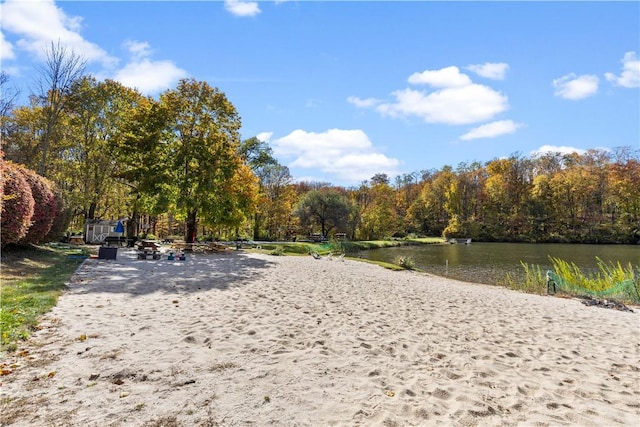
x=45, y=209
x=17, y=204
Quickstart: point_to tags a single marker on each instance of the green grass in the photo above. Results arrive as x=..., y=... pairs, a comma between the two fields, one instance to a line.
x=32, y=280
x=347, y=246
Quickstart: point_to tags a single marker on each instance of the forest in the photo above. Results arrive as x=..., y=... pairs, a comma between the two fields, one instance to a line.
x=176, y=166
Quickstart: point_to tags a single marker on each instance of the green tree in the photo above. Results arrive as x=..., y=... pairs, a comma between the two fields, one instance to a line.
x=203, y=152
x=325, y=208
x=143, y=161
x=272, y=218
x=97, y=113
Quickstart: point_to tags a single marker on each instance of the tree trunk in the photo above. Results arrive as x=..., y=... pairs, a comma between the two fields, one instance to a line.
x=92, y=210
x=256, y=227
x=191, y=226
x=132, y=225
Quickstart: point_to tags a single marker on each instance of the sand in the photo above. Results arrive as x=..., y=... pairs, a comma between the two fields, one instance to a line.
x=246, y=339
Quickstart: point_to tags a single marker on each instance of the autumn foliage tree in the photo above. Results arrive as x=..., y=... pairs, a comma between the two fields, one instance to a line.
x=17, y=204
x=44, y=209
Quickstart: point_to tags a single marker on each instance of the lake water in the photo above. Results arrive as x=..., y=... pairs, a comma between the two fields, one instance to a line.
x=490, y=262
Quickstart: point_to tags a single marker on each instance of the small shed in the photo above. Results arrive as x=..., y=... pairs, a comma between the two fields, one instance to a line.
x=97, y=231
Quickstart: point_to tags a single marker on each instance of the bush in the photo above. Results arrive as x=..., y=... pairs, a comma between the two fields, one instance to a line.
x=17, y=204
x=406, y=262
x=278, y=251
x=44, y=210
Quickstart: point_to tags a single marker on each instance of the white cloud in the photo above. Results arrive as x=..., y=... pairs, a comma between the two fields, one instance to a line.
x=144, y=74
x=363, y=103
x=445, y=77
x=491, y=130
x=457, y=99
x=6, y=49
x=242, y=8
x=137, y=49
x=39, y=23
x=346, y=154
x=575, y=87
x=630, y=76
x=148, y=76
x=454, y=106
x=562, y=149
x=490, y=70
x=264, y=136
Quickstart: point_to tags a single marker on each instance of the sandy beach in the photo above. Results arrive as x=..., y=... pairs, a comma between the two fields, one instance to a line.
x=244, y=339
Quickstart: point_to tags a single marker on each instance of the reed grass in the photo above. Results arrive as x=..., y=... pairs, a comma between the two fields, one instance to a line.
x=607, y=275
x=533, y=280
x=608, y=278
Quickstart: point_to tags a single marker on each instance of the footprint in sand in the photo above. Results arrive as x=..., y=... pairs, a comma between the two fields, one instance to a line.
x=441, y=394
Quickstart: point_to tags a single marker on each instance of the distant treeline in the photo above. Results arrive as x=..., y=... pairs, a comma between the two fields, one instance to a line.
x=592, y=197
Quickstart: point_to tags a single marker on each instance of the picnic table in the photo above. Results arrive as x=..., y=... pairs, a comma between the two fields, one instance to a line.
x=148, y=248
x=143, y=244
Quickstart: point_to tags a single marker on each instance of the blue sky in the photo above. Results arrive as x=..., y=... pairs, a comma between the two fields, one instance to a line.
x=345, y=90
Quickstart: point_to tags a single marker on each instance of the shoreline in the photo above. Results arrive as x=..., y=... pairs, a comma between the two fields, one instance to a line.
x=248, y=338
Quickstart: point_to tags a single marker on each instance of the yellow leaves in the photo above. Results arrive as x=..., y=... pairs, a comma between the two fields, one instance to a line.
x=390, y=393
x=6, y=369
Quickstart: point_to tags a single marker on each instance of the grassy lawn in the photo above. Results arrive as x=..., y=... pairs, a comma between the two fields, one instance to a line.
x=32, y=278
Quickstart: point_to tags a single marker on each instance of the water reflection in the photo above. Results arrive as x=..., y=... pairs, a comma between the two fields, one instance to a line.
x=490, y=262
